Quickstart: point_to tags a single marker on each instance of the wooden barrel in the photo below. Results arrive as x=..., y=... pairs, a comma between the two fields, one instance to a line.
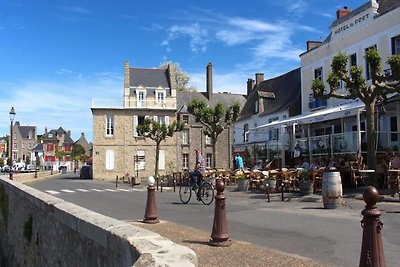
x=332, y=192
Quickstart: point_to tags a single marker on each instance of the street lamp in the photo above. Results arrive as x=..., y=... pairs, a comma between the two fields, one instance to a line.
x=12, y=117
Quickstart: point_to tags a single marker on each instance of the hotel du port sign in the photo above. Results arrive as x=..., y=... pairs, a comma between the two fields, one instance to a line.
x=351, y=23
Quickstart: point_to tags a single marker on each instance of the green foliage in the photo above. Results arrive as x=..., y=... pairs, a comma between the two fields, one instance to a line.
x=357, y=87
x=78, y=151
x=4, y=204
x=181, y=77
x=27, y=160
x=214, y=119
x=28, y=228
x=305, y=175
x=37, y=161
x=1, y=162
x=158, y=132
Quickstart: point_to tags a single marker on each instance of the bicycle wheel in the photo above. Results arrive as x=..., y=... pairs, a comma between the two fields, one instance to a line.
x=207, y=193
x=185, y=192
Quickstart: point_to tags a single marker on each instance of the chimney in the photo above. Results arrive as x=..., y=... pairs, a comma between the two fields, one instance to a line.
x=259, y=78
x=209, y=81
x=312, y=44
x=69, y=133
x=45, y=130
x=342, y=12
x=250, y=86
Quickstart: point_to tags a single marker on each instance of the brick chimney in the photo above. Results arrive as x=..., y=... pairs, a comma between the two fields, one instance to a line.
x=259, y=78
x=342, y=12
x=209, y=81
x=45, y=130
x=312, y=44
x=250, y=86
x=69, y=133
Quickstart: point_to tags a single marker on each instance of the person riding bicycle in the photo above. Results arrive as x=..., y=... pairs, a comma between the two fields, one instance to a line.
x=198, y=172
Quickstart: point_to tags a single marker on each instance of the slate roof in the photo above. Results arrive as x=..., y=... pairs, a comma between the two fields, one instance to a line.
x=55, y=133
x=227, y=99
x=149, y=77
x=278, y=94
x=38, y=147
x=24, y=131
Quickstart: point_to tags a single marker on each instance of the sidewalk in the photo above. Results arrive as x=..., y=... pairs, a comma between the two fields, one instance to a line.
x=238, y=254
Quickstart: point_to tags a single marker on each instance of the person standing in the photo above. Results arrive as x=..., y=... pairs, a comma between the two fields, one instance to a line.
x=198, y=172
x=239, y=162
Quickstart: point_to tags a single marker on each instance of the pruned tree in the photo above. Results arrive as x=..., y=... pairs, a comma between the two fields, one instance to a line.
x=158, y=132
x=357, y=87
x=181, y=77
x=214, y=119
x=78, y=152
x=59, y=155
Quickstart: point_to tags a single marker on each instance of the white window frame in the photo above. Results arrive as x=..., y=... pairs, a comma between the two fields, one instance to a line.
x=141, y=98
x=110, y=159
x=185, y=161
x=185, y=137
x=185, y=119
x=160, y=96
x=109, y=125
x=208, y=160
x=207, y=139
x=140, y=164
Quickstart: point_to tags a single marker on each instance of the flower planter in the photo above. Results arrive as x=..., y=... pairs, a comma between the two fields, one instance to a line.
x=242, y=184
x=306, y=187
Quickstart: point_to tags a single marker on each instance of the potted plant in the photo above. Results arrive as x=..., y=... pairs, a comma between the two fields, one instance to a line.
x=270, y=183
x=305, y=182
x=242, y=180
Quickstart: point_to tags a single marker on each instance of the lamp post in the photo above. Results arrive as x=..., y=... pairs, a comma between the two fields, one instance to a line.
x=12, y=117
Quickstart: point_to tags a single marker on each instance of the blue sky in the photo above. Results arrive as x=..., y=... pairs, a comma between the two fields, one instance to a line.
x=57, y=56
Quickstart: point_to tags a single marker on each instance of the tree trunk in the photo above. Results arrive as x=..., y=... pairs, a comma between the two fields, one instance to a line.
x=214, y=149
x=371, y=142
x=157, y=159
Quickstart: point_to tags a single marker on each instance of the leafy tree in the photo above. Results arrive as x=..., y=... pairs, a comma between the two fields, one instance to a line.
x=181, y=77
x=158, y=132
x=78, y=152
x=357, y=87
x=27, y=160
x=214, y=119
x=60, y=154
x=1, y=162
x=37, y=161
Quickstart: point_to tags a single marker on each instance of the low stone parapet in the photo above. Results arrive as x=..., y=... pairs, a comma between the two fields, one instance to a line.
x=37, y=229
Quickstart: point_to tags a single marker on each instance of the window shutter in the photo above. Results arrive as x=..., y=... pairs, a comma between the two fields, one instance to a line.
x=166, y=118
x=135, y=123
x=155, y=118
x=161, y=160
x=110, y=160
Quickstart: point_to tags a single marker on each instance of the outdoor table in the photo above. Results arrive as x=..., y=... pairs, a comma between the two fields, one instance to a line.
x=394, y=173
x=364, y=175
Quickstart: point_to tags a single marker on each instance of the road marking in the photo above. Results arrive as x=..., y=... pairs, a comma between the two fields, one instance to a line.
x=67, y=191
x=111, y=190
x=52, y=192
x=124, y=190
x=82, y=190
x=97, y=190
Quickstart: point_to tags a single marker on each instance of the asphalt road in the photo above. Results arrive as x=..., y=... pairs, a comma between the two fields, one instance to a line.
x=296, y=227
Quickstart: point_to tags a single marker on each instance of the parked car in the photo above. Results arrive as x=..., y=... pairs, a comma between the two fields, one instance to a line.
x=30, y=167
x=5, y=168
x=86, y=172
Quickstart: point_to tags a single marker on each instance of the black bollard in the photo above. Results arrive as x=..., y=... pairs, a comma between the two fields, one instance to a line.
x=267, y=190
x=132, y=181
x=220, y=235
x=162, y=183
x=150, y=215
x=371, y=248
x=35, y=173
x=116, y=181
x=282, y=187
x=174, y=184
x=157, y=183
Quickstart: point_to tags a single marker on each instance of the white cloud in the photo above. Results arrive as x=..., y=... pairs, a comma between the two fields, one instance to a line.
x=54, y=104
x=254, y=25
x=198, y=36
x=234, y=37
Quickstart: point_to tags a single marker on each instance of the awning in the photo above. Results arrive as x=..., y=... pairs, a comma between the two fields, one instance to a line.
x=343, y=110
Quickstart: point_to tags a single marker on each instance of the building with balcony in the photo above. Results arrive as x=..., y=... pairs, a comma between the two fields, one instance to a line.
x=335, y=128
x=117, y=148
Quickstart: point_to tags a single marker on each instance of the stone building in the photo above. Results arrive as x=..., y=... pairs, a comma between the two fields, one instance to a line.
x=118, y=150
x=24, y=139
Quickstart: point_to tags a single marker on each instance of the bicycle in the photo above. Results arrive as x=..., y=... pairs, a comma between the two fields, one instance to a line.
x=206, y=193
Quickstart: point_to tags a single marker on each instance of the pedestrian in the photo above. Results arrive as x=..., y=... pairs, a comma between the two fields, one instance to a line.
x=239, y=162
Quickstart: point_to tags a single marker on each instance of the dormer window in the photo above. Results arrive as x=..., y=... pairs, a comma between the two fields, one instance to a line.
x=50, y=135
x=160, y=96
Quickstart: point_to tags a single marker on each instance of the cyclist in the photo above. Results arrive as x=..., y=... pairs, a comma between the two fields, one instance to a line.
x=198, y=172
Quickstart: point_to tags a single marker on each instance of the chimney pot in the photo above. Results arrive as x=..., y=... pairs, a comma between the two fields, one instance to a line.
x=342, y=12
x=209, y=81
x=259, y=78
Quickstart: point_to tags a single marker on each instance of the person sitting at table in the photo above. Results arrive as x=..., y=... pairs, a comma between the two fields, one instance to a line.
x=331, y=164
x=395, y=162
x=304, y=164
x=314, y=165
x=258, y=165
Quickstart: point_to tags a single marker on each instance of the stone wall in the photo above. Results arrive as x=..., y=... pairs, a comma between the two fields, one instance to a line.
x=37, y=229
